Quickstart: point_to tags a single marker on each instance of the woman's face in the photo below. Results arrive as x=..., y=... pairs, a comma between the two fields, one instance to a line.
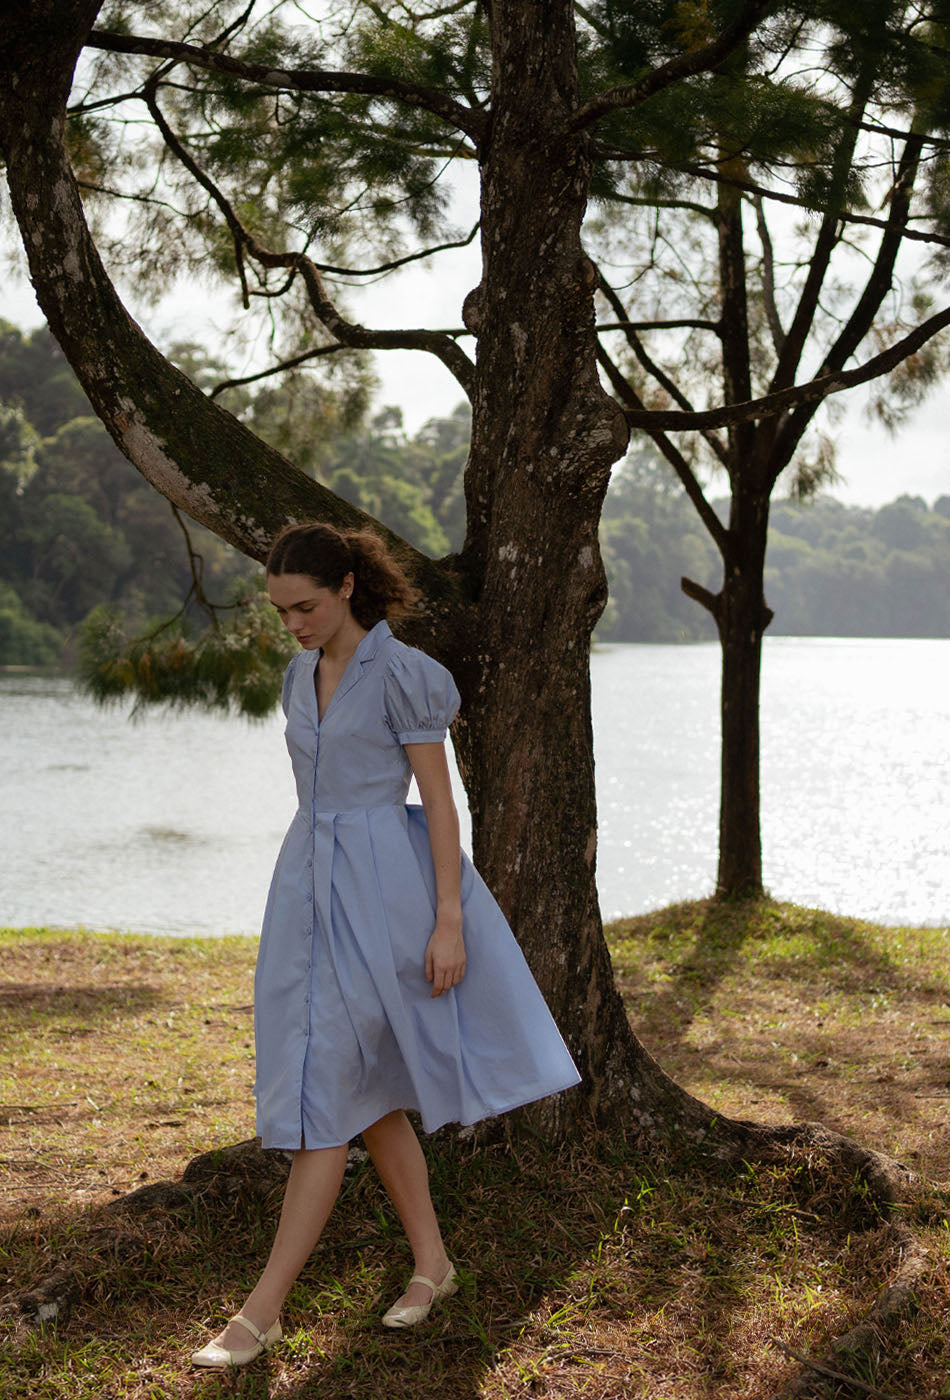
x=312, y=613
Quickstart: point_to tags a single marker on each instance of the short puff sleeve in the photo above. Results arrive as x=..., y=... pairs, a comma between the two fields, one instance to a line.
x=420, y=697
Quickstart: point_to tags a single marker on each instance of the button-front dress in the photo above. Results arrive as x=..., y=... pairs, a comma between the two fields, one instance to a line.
x=345, y=1024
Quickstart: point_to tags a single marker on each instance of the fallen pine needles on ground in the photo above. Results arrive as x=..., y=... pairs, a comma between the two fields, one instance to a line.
x=588, y=1270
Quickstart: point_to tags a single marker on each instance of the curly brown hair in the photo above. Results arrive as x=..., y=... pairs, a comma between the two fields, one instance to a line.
x=325, y=554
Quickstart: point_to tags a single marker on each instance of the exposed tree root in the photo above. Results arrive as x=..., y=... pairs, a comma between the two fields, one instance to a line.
x=50, y=1300
x=890, y=1186
x=822, y=1370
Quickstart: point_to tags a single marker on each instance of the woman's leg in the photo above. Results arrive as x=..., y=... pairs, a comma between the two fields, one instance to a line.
x=312, y=1189
x=401, y=1165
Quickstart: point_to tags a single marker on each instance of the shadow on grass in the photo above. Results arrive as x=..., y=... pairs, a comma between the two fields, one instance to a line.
x=588, y=1263
x=24, y=1004
x=816, y=1015
x=696, y=946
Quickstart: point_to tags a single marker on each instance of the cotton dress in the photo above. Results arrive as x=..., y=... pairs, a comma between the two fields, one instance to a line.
x=346, y=1029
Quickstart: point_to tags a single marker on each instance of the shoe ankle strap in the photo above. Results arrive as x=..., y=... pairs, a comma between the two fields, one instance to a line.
x=252, y=1327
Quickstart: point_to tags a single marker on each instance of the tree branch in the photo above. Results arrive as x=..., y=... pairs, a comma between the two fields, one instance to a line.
x=654, y=370
x=684, y=65
x=359, y=338
x=628, y=395
x=706, y=211
x=347, y=333
x=823, y=1370
x=686, y=323
x=895, y=133
x=397, y=262
x=784, y=399
x=861, y=320
x=705, y=172
x=292, y=363
x=768, y=277
x=711, y=601
x=82, y=108
x=318, y=81
x=793, y=344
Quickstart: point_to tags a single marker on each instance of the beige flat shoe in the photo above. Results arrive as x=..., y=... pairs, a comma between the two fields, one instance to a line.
x=409, y=1316
x=217, y=1358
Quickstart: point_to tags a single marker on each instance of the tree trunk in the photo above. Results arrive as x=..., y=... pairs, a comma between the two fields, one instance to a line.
x=742, y=618
x=741, y=615
x=544, y=437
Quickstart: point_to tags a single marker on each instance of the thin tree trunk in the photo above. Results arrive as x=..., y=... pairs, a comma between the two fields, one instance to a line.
x=742, y=618
x=740, y=614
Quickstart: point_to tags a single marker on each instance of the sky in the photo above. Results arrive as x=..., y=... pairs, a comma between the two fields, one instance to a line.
x=874, y=466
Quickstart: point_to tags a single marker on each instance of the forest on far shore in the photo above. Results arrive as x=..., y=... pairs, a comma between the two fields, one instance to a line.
x=82, y=528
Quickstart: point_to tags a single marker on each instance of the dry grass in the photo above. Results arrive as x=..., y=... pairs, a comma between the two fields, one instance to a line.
x=123, y=1057
x=587, y=1272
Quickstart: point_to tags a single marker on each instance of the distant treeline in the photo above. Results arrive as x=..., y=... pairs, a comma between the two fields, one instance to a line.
x=831, y=570
x=80, y=527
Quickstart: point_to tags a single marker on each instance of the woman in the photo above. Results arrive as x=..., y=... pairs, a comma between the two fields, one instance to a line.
x=387, y=978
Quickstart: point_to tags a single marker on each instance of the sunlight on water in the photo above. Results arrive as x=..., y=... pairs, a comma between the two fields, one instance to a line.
x=855, y=774
x=172, y=823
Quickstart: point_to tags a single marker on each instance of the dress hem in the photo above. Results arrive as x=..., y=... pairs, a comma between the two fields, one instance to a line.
x=531, y=1097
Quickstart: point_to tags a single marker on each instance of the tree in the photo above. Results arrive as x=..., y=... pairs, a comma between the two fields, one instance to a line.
x=512, y=612
x=726, y=293
x=81, y=527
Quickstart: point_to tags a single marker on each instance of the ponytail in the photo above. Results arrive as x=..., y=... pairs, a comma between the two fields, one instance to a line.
x=325, y=554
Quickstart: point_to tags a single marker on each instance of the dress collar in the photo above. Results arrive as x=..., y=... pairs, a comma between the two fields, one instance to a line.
x=365, y=652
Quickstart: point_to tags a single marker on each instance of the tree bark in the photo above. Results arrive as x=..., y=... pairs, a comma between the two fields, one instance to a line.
x=544, y=437
x=742, y=617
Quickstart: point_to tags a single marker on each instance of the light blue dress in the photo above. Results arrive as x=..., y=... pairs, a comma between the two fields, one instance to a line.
x=346, y=1029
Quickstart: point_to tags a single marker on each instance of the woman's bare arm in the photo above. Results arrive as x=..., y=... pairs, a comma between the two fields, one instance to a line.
x=445, y=952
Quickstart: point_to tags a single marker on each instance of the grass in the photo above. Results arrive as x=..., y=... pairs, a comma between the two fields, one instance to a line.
x=590, y=1271
x=779, y=1013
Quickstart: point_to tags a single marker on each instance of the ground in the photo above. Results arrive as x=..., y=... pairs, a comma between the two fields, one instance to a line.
x=589, y=1271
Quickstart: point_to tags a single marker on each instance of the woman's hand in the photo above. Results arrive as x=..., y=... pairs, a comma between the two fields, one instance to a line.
x=445, y=955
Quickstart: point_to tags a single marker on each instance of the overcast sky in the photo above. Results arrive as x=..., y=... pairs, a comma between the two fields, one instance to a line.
x=874, y=466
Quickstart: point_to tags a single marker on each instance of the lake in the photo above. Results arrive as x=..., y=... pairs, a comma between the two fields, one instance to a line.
x=171, y=823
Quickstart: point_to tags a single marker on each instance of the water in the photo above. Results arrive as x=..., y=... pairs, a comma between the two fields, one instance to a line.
x=855, y=775
x=170, y=824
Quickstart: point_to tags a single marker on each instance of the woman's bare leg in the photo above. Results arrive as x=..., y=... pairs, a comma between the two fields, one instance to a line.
x=312, y=1189
x=401, y=1165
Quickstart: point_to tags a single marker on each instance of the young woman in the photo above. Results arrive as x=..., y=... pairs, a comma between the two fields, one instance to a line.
x=387, y=978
